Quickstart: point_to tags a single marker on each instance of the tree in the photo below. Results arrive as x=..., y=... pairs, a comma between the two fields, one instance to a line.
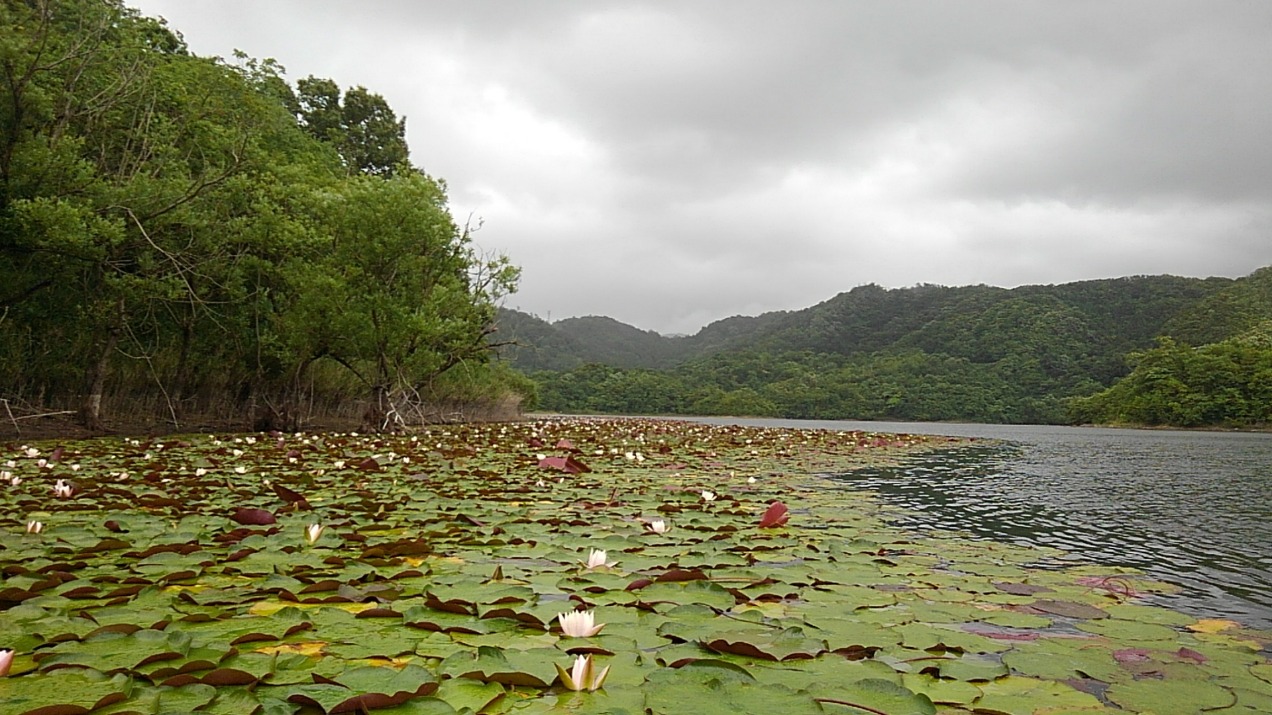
x=361, y=126
x=392, y=289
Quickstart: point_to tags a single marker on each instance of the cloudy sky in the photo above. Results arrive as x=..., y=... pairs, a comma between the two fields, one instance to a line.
x=673, y=163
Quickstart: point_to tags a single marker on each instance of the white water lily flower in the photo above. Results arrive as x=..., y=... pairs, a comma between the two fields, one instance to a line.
x=596, y=560
x=708, y=495
x=658, y=526
x=313, y=531
x=200, y=472
x=581, y=676
x=579, y=624
x=62, y=490
x=750, y=480
x=35, y=527
x=32, y=452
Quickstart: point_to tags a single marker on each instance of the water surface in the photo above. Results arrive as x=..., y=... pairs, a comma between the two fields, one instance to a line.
x=1190, y=508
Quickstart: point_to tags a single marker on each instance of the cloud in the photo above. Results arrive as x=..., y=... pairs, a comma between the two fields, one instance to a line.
x=673, y=163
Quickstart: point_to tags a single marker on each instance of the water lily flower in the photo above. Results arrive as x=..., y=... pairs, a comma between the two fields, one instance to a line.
x=579, y=624
x=750, y=480
x=12, y=480
x=200, y=472
x=62, y=490
x=581, y=676
x=32, y=452
x=313, y=531
x=658, y=526
x=708, y=495
x=34, y=527
x=596, y=560
x=6, y=661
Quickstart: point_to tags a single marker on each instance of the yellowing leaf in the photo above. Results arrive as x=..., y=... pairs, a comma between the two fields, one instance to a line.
x=308, y=648
x=1213, y=625
x=269, y=608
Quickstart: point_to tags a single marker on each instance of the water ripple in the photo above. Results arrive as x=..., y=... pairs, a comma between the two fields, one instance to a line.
x=1186, y=512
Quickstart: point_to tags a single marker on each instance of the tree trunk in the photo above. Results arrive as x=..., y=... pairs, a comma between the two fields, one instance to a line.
x=90, y=415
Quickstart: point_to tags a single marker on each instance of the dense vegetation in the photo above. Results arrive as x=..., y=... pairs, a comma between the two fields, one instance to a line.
x=189, y=237
x=1035, y=354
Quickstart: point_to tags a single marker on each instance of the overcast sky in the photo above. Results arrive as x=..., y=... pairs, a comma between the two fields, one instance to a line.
x=673, y=163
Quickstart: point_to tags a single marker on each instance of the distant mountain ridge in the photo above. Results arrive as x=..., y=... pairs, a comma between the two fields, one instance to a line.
x=1115, y=315
x=1135, y=350
x=571, y=342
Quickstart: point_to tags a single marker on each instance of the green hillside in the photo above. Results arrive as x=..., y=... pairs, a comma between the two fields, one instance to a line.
x=975, y=353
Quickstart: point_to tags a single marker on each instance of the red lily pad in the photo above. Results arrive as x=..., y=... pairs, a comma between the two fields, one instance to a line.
x=253, y=517
x=776, y=515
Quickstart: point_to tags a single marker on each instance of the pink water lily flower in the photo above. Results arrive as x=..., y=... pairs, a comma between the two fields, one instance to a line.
x=581, y=676
x=579, y=624
x=6, y=661
x=596, y=560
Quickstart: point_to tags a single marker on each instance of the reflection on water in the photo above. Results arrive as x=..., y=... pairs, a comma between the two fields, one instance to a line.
x=1202, y=525
x=1190, y=508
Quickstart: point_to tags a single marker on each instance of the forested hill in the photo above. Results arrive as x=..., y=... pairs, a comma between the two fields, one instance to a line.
x=927, y=353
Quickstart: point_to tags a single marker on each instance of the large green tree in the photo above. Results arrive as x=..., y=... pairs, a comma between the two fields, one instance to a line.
x=177, y=230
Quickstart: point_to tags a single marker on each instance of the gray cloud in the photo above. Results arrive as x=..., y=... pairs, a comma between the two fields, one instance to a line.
x=674, y=163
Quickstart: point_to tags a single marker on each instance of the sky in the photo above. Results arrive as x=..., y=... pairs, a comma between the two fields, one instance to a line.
x=669, y=164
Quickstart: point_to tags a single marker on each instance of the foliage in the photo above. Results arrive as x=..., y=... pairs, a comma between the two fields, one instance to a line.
x=973, y=353
x=360, y=125
x=177, y=226
x=1236, y=309
x=1227, y=383
x=330, y=573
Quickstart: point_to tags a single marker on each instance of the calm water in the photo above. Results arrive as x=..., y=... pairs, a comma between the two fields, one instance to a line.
x=1191, y=508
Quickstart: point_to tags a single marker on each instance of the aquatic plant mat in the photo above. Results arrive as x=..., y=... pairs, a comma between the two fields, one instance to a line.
x=182, y=575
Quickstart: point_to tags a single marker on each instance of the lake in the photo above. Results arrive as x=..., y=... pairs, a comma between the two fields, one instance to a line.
x=1190, y=508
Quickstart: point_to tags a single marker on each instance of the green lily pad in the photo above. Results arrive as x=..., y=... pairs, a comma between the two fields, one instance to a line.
x=73, y=691
x=877, y=696
x=1166, y=696
x=1017, y=695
